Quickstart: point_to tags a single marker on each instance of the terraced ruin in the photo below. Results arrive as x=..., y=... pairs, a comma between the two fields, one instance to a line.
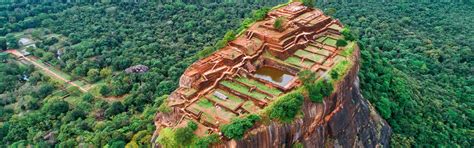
x=256, y=68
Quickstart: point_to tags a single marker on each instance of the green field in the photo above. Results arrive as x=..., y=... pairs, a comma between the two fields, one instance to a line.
x=318, y=50
x=297, y=62
x=244, y=90
x=321, y=39
x=260, y=86
x=308, y=55
x=250, y=106
x=204, y=103
x=330, y=41
x=232, y=101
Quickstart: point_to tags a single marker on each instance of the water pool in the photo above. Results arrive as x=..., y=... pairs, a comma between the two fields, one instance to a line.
x=276, y=76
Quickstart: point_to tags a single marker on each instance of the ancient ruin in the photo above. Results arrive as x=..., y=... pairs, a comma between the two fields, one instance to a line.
x=255, y=68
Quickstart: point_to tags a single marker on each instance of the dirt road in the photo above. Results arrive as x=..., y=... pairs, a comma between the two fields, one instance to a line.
x=20, y=55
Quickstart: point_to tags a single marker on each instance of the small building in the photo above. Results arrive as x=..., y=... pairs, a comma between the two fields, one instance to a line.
x=137, y=69
x=220, y=95
x=25, y=42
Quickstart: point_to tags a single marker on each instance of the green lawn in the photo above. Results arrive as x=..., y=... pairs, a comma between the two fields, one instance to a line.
x=249, y=106
x=210, y=113
x=243, y=89
x=348, y=50
x=194, y=109
x=204, y=103
x=336, y=27
x=318, y=50
x=313, y=57
x=80, y=83
x=321, y=39
x=297, y=62
x=232, y=101
x=330, y=41
x=261, y=86
x=73, y=100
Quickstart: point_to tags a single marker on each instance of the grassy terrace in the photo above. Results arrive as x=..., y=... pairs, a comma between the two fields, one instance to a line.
x=250, y=106
x=194, y=109
x=313, y=57
x=330, y=41
x=232, y=101
x=210, y=113
x=338, y=58
x=297, y=62
x=321, y=39
x=327, y=40
x=261, y=86
x=349, y=49
x=204, y=103
x=318, y=50
x=244, y=90
x=269, y=56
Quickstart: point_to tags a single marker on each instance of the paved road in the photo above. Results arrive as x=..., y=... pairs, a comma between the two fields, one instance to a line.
x=20, y=55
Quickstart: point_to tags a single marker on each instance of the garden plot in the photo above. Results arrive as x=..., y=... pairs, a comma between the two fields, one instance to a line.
x=232, y=102
x=318, y=50
x=311, y=56
x=299, y=62
x=244, y=90
x=259, y=85
x=249, y=106
x=327, y=40
x=211, y=113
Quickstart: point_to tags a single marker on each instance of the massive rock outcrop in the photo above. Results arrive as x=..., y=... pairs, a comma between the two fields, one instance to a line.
x=345, y=119
x=261, y=65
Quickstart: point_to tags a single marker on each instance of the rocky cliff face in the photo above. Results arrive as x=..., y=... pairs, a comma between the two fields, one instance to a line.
x=308, y=41
x=345, y=119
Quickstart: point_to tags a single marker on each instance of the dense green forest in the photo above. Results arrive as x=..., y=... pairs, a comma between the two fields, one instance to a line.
x=416, y=68
x=97, y=42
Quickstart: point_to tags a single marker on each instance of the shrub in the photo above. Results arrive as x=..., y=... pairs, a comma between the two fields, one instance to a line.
x=204, y=142
x=104, y=90
x=260, y=14
x=339, y=69
x=87, y=97
x=184, y=135
x=341, y=43
x=166, y=138
x=308, y=3
x=236, y=129
x=278, y=24
x=317, y=91
x=164, y=108
x=114, y=109
x=74, y=115
x=348, y=35
x=286, y=108
x=58, y=107
x=181, y=136
x=307, y=77
x=349, y=50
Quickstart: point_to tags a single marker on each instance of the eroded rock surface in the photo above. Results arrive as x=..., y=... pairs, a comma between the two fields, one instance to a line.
x=345, y=119
x=306, y=41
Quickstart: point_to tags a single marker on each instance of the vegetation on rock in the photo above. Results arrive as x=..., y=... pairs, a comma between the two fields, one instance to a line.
x=236, y=129
x=286, y=107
